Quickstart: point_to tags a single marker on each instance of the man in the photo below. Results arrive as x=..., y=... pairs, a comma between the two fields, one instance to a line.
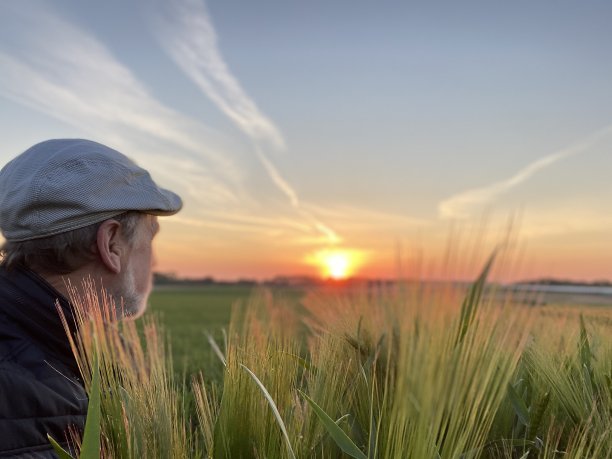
x=69, y=209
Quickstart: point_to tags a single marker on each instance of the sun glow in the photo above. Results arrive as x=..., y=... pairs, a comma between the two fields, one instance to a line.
x=335, y=263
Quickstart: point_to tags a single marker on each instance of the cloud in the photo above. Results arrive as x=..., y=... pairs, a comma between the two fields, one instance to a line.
x=278, y=180
x=464, y=204
x=189, y=37
x=185, y=30
x=66, y=73
x=366, y=218
x=331, y=236
x=245, y=223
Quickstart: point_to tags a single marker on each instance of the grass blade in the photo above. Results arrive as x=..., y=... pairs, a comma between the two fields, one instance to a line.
x=519, y=406
x=586, y=355
x=274, y=410
x=216, y=349
x=341, y=439
x=472, y=300
x=537, y=415
x=90, y=448
x=61, y=452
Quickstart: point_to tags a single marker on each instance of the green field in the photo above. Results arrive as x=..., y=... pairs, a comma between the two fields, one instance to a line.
x=188, y=313
x=408, y=371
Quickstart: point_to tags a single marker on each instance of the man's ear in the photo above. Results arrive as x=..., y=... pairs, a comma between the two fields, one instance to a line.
x=110, y=245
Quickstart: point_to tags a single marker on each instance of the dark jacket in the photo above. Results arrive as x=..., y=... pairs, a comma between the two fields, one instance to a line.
x=40, y=387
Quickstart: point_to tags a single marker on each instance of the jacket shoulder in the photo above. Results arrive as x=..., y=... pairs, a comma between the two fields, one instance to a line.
x=34, y=404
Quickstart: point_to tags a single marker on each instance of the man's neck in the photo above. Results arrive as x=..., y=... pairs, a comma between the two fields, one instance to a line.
x=76, y=283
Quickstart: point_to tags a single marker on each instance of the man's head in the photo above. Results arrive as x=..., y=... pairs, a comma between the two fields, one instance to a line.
x=74, y=209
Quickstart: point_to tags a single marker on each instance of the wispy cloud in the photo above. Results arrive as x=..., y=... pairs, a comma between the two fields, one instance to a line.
x=357, y=217
x=464, y=204
x=66, y=73
x=239, y=227
x=278, y=180
x=268, y=226
x=189, y=37
x=185, y=30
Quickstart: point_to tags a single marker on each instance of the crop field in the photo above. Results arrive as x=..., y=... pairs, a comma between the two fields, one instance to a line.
x=188, y=313
x=398, y=372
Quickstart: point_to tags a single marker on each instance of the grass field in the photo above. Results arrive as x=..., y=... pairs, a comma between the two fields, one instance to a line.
x=188, y=313
x=402, y=372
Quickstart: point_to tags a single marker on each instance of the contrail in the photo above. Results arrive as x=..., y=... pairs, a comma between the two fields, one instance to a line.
x=284, y=186
x=462, y=204
x=191, y=41
x=64, y=72
x=278, y=180
x=189, y=37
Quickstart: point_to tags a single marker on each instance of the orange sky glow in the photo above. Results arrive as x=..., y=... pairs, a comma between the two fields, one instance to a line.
x=445, y=254
x=408, y=148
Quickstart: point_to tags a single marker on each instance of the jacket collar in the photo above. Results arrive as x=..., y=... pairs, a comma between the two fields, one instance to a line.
x=30, y=302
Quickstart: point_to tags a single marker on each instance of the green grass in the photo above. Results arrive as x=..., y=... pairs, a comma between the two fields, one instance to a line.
x=188, y=313
x=330, y=373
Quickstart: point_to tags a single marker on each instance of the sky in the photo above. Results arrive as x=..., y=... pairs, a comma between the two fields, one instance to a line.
x=416, y=137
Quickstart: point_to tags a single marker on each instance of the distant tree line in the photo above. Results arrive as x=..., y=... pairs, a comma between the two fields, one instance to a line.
x=172, y=279
x=306, y=281
x=551, y=281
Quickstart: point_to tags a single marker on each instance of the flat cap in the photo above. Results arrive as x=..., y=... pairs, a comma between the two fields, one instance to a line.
x=63, y=184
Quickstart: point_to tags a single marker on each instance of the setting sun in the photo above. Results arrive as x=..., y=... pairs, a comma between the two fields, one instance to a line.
x=335, y=263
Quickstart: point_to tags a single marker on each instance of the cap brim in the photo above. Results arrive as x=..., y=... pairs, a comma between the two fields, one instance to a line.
x=172, y=204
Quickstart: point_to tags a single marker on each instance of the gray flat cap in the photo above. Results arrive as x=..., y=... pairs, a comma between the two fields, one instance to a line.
x=64, y=184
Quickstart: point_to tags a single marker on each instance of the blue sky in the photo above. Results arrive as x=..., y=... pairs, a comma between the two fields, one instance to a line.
x=292, y=127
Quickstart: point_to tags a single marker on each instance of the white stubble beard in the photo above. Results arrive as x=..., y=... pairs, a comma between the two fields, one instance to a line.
x=132, y=303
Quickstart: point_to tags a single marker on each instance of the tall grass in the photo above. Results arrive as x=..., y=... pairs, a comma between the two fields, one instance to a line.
x=143, y=409
x=372, y=374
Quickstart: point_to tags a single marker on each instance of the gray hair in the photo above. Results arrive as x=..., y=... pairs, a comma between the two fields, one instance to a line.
x=65, y=252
